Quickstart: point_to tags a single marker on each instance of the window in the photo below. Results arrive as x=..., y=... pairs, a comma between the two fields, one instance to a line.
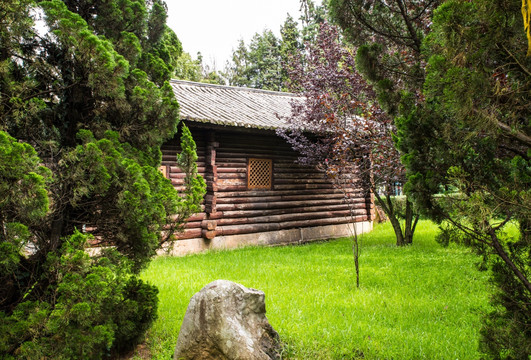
x=259, y=173
x=164, y=170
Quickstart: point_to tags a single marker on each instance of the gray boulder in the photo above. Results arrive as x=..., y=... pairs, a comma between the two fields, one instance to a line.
x=226, y=321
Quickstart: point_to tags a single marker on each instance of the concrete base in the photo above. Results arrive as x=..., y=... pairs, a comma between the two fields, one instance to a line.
x=281, y=237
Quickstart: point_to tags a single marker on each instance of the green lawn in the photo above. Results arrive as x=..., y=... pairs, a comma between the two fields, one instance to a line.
x=417, y=302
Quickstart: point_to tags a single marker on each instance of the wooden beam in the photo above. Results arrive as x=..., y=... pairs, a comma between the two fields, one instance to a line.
x=262, y=193
x=302, y=186
x=195, y=217
x=211, y=172
x=251, y=199
x=253, y=213
x=209, y=224
x=302, y=181
x=208, y=234
x=189, y=234
x=279, y=204
x=288, y=217
x=232, y=170
x=254, y=228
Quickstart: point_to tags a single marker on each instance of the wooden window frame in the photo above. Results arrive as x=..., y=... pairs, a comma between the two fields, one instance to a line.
x=164, y=170
x=264, y=166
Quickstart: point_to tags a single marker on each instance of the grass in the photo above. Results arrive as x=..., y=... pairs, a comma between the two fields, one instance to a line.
x=417, y=302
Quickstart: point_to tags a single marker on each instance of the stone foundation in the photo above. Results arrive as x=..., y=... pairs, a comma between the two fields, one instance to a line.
x=281, y=237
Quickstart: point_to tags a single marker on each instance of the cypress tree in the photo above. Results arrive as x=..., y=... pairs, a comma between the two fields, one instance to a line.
x=86, y=96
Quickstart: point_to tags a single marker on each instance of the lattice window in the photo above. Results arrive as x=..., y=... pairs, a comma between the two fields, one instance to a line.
x=260, y=173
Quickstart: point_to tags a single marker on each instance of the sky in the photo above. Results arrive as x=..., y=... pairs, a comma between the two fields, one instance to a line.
x=214, y=27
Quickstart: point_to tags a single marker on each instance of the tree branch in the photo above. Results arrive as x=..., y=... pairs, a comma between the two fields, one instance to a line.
x=397, y=39
x=501, y=252
x=520, y=136
x=524, y=69
x=410, y=28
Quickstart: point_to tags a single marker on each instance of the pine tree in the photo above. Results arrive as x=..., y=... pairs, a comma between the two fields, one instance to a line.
x=263, y=64
x=291, y=49
x=477, y=137
x=456, y=79
x=91, y=96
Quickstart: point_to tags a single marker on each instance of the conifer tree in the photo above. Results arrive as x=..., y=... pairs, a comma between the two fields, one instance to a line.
x=456, y=79
x=258, y=66
x=477, y=136
x=88, y=91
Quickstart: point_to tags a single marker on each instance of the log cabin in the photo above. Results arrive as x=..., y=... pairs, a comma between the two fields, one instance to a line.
x=257, y=193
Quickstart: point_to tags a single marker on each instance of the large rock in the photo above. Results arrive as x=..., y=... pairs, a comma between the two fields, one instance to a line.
x=226, y=321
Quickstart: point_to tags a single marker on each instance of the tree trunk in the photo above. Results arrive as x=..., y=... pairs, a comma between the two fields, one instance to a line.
x=389, y=210
x=501, y=252
x=405, y=236
x=400, y=240
x=410, y=222
x=355, y=245
x=356, y=251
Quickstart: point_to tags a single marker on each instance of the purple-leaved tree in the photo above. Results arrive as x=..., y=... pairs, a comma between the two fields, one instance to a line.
x=340, y=128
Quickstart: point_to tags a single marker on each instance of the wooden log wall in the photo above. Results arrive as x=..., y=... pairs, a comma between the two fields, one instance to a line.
x=299, y=197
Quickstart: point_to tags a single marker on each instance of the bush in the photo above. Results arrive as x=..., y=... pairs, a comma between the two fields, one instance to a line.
x=95, y=308
x=87, y=107
x=136, y=314
x=506, y=331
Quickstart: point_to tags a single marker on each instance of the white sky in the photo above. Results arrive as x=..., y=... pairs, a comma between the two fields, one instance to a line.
x=214, y=27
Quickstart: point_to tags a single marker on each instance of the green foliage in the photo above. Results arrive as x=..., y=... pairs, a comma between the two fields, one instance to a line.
x=195, y=185
x=459, y=90
x=258, y=66
x=291, y=44
x=264, y=58
x=88, y=104
x=366, y=61
x=263, y=64
x=291, y=49
x=136, y=314
x=23, y=202
x=235, y=71
x=506, y=332
x=194, y=70
x=399, y=206
x=98, y=308
x=312, y=17
x=188, y=69
x=138, y=199
x=390, y=35
x=23, y=195
x=473, y=136
x=369, y=58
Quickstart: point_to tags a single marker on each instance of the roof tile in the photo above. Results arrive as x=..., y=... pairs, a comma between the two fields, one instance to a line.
x=235, y=106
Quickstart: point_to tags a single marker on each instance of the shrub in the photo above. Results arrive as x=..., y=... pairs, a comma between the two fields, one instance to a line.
x=91, y=308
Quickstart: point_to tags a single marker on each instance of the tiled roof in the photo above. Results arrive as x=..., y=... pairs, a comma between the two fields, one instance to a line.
x=235, y=106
